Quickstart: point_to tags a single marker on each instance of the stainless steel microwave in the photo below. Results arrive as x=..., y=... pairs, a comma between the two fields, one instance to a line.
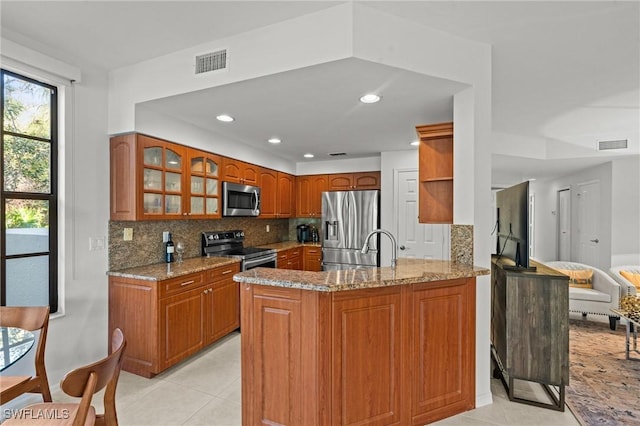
x=240, y=200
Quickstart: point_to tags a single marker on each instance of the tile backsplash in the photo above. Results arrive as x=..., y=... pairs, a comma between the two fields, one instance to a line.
x=462, y=244
x=147, y=246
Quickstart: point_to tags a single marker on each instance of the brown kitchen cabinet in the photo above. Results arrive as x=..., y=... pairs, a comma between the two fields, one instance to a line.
x=309, y=195
x=224, y=303
x=169, y=320
x=203, y=186
x=286, y=195
x=276, y=194
x=240, y=172
x=435, y=195
x=290, y=259
x=312, y=258
x=353, y=181
x=403, y=354
x=154, y=179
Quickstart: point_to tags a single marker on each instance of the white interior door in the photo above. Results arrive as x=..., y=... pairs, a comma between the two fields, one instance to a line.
x=564, y=225
x=416, y=240
x=589, y=223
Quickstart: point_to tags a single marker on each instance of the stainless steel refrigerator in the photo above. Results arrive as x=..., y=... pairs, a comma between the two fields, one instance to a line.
x=347, y=218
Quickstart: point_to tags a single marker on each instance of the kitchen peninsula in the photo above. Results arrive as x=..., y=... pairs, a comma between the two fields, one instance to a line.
x=359, y=346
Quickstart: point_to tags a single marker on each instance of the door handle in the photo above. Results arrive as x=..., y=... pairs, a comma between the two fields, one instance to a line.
x=402, y=248
x=595, y=241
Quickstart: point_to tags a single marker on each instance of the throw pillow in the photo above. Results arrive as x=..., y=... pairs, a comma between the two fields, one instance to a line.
x=633, y=277
x=579, y=278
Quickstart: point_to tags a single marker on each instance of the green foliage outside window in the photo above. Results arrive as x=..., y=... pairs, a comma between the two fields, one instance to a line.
x=26, y=160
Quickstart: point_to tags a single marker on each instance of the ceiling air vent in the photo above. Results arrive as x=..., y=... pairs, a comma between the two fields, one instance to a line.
x=606, y=145
x=337, y=154
x=211, y=61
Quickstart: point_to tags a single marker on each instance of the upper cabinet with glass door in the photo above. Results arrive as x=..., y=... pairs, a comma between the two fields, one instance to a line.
x=203, y=185
x=162, y=178
x=155, y=179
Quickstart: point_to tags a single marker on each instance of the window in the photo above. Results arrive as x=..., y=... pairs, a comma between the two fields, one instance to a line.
x=28, y=197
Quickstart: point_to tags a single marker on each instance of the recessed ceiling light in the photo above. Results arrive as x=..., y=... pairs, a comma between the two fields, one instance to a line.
x=274, y=140
x=370, y=98
x=415, y=143
x=308, y=156
x=226, y=118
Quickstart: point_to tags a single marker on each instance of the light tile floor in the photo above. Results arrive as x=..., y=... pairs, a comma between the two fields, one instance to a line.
x=205, y=390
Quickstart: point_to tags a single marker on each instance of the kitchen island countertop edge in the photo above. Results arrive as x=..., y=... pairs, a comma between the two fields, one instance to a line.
x=408, y=271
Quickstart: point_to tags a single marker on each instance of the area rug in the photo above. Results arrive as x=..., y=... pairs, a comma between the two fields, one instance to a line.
x=604, y=387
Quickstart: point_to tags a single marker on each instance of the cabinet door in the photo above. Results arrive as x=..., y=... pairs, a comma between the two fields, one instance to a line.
x=340, y=182
x=304, y=195
x=276, y=329
x=285, y=200
x=181, y=325
x=133, y=307
x=203, y=186
x=122, y=177
x=225, y=313
x=250, y=174
x=312, y=259
x=161, y=169
x=443, y=340
x=240, y=172
x=231, y=170
x=319, y=184
x=366, y=180
x=268, y=193
x=294, y=259
x=367, y=354
x=309, y=195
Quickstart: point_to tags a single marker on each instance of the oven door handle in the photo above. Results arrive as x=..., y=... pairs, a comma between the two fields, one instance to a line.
x=248, y=264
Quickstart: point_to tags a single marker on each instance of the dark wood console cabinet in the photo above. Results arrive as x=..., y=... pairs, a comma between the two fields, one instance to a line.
x=530, y=329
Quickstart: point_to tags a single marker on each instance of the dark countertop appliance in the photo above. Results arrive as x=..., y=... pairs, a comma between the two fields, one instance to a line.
x=304, y=233
x=231, y=244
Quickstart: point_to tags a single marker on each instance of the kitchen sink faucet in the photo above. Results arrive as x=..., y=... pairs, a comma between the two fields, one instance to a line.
x=394, y=244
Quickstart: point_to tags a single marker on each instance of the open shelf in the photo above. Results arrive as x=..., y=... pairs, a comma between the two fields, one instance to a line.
x=436, y=173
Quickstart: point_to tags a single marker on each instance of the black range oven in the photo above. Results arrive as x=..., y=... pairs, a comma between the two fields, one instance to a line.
x=231, y=244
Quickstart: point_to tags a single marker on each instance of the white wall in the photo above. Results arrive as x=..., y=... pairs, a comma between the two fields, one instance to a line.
x=296, y=43
x=546, y=216
x=79, y=334
x=155, y=124
x=625, y=211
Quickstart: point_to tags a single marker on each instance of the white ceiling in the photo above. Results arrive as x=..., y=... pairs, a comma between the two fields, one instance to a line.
x=565, y=74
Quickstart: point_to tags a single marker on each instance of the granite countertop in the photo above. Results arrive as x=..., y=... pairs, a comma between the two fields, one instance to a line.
x=163, y=271
x=408, y=271
x=286, y=245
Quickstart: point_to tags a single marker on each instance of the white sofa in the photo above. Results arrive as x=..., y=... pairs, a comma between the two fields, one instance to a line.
x=599, y=300
x=628, y=289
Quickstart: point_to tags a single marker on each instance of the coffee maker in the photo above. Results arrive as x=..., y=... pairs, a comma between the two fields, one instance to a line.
x=304, y=233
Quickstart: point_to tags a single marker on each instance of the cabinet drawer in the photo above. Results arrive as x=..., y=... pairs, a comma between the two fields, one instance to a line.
x=295, y=252
x=180, y=284
x=222, y=273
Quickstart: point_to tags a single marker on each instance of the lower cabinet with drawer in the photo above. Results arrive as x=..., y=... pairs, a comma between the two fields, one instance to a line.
x=312, y=258
x=169, y=320
x=290, y=259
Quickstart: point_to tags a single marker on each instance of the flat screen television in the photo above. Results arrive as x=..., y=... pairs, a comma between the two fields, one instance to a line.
x=512, y=206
